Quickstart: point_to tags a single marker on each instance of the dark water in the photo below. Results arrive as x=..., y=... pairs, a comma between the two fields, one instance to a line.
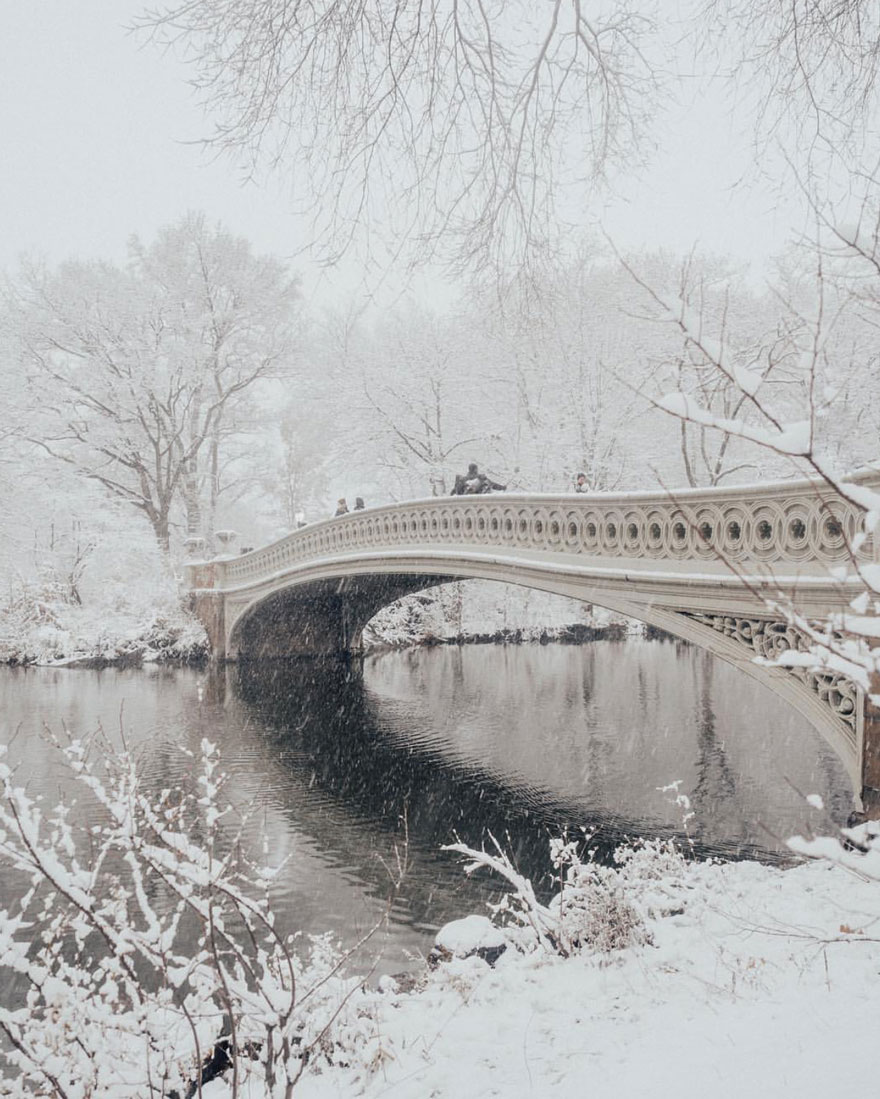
x=349, y=767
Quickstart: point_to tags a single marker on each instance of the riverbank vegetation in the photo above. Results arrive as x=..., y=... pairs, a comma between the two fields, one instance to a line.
x=91, y=590
x=142, y=954
x=485, y=611
x=133, y=623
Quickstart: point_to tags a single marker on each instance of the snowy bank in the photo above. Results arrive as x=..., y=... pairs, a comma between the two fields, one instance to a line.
x=486, y=611
x=764, y=983
x=37, y=628
x=652, y=976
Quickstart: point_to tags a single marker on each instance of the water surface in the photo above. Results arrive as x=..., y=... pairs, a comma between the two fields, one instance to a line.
x=351, y=769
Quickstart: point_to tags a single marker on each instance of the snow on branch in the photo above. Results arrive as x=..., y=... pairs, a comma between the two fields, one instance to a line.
x=143, y=952
x=794, y=439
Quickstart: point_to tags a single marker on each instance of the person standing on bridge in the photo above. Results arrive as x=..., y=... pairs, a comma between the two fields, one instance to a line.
x=474, y=483
x=358, y=503
x=341, y=507
x=580, y=483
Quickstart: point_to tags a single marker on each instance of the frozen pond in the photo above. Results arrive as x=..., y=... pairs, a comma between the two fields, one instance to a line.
x=347, y=765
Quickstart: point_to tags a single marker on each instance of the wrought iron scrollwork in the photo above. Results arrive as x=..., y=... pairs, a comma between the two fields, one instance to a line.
x=770, y=638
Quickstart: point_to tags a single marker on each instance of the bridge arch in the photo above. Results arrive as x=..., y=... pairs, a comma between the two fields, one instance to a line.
x=325, y=615
x=700, y=566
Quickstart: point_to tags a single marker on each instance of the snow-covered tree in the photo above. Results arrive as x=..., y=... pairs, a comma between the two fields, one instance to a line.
x=137, y=375
x=564, y=359
x=451, y=121
x=426, y=399
x=707, y=313
x=296, y=464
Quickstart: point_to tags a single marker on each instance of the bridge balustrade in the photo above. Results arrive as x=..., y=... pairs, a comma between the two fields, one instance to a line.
x=784, y=522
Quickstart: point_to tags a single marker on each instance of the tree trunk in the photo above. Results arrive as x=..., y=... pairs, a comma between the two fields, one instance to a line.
x=191, y=499
x=163, y=535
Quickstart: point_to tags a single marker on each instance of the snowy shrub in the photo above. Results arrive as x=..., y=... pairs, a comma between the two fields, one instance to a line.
x=138, y=954
x=31, y=603
x=485, y=610
x=591, y=909
x=34, y=629
x=596, y=908
x=857, y=849
x=173, y=636
x=653, y=874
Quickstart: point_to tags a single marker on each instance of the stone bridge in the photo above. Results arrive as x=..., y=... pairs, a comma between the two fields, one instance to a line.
x=714, y=567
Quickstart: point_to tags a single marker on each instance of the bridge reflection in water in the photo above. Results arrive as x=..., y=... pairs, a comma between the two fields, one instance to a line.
x=408, y=750
x=527, y=740
x=340, y=763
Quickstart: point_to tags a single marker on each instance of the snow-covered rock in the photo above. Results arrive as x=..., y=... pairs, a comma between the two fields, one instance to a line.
x=472, y=936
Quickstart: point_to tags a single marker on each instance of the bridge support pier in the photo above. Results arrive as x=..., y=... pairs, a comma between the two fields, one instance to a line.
x=871, y=753
x=210, y=609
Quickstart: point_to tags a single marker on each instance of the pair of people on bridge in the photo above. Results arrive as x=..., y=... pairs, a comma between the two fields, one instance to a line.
x=342, y=506
x=473, y=483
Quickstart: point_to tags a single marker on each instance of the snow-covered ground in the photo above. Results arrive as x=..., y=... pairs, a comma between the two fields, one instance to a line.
x=757, y=982
x=766, y=984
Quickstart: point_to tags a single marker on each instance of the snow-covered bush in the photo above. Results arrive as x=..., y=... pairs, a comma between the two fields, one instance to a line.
x=596, y=908
x=39, y=626
x=138, y=953
x=486, y=610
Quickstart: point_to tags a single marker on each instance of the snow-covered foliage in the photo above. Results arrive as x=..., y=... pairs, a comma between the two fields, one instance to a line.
x=142, y=958
x=123, y=622
x=857, y=849
x=483, y=610
x=144, y=946
x=82, y=578
x=137, y=377
x=535, y=386
x=805, y=392
x=595, y=908
x=38, y=626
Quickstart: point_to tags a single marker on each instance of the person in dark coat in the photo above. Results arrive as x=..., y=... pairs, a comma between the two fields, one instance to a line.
x=477, y=483
x=358, y=503
x=473, y=483
x=580, y=483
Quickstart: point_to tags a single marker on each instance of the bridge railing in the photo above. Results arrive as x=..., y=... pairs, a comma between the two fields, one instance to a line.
x=790, y=521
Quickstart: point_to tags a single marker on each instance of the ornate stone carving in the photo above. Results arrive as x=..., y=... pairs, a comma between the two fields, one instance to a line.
x=769, y=638
x=787, y=523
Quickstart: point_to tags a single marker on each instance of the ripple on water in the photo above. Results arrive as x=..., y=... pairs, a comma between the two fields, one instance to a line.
x=342, y=772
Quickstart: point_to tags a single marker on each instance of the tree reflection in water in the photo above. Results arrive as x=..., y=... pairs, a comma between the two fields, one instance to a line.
x=342, y=765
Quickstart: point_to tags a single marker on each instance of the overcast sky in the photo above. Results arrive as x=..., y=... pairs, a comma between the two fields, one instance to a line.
x=97, y=129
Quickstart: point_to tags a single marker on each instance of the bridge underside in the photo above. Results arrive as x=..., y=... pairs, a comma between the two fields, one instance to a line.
x=319, y=618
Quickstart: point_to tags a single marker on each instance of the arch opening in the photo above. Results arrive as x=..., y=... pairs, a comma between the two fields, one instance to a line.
x=311, y=617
